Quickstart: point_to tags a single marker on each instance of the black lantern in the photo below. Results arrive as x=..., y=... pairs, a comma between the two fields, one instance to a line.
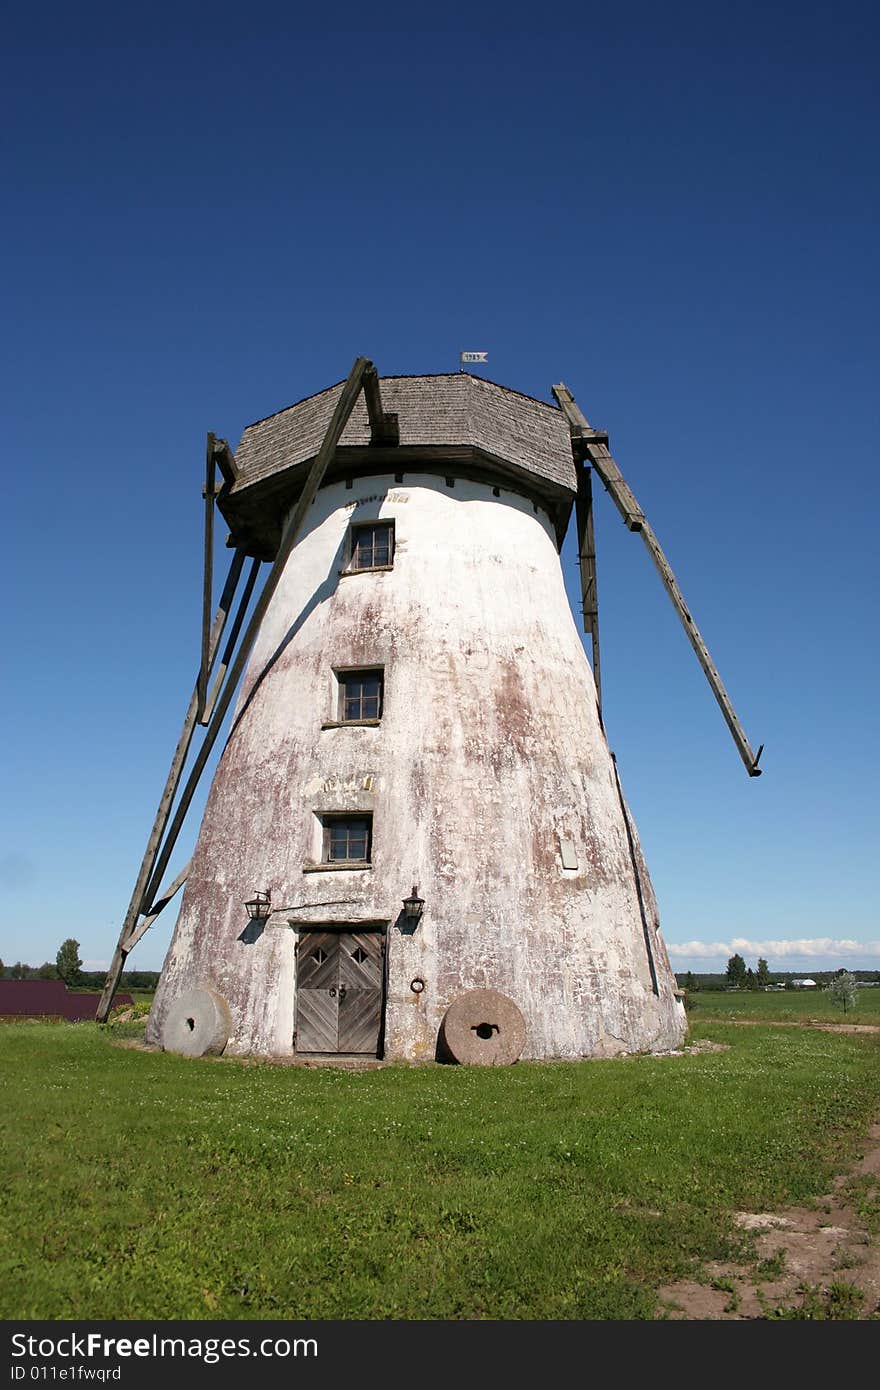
x=258, y=906
x=413, y=905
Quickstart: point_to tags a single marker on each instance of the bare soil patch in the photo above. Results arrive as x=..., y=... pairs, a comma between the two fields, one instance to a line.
x=817, y=1262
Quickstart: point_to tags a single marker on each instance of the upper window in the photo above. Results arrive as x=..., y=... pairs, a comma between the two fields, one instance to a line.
x=372, y=545
x=360, y=695
x=347, y=838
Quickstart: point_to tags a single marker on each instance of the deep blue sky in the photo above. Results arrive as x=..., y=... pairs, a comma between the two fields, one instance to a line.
x=210, y=211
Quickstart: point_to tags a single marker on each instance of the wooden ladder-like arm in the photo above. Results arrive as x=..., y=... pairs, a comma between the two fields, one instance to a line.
x=592, y=446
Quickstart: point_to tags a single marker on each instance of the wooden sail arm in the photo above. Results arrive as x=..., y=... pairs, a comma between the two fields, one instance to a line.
x=592, y=445
x=158, y=906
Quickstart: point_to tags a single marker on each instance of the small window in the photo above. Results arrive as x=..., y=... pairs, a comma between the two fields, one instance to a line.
x=347, y=839
x=372, y=545
x=360, y=695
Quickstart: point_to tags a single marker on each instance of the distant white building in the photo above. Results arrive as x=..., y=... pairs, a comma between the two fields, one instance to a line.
x=804, y=984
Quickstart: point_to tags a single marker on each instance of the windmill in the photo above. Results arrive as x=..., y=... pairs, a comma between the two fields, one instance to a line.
x=416, y=844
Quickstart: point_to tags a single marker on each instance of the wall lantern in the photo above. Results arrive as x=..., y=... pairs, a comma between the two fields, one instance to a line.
x=259, y=906
x=413, y=905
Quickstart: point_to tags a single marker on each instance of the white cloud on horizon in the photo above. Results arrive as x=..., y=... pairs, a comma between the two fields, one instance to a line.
x=807, y=948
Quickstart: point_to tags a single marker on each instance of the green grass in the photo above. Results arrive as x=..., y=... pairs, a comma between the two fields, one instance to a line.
x=142, y=1185
x=840, y=1302
x=790, y=1005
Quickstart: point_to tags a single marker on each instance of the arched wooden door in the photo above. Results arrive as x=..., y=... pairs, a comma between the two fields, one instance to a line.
x=339, y=991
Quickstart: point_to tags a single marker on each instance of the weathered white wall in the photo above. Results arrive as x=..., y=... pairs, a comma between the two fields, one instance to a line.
x=489, y=751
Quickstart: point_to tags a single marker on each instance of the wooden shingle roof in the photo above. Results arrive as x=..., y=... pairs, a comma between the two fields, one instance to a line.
x=446, y=420
x=432, y=410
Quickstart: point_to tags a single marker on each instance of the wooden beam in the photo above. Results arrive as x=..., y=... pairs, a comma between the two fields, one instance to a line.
x=587, y=440
x=599, y=456
x=587, y=561
x=344, y=406
x=158, y=906
x=208, y=572
x=138, y=897
x=384, y=428
x=231, y=641
x=226, y=462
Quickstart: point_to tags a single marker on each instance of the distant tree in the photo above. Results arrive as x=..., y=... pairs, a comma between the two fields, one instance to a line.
x=843, y=990
x=751, y=979
x=736, y=972
x=690, y=982
x=18, y=971
x=67, y=961
x=47, y=971
x=763, y=972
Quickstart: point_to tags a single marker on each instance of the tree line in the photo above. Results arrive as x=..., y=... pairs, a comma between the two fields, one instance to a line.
x=68, y=967
x=743, y=978
x=841, y=985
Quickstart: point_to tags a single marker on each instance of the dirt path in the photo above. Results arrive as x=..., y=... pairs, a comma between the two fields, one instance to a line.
x=817, y=1262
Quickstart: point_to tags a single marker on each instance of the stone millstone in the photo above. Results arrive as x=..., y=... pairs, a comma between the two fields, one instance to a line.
x=198, y=1022
x=483, y=1028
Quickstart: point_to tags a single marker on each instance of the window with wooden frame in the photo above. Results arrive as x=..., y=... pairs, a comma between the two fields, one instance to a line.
x=347, y=839
x=371, y=546
x=361, y=695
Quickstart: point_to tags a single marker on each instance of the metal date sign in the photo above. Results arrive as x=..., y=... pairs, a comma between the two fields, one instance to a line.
x=474, y=357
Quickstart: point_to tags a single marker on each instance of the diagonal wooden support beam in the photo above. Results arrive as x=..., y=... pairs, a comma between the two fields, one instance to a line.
x=136, y=906
x=593, y=445
x=344, y=406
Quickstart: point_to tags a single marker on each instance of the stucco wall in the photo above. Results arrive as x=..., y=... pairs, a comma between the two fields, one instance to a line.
x=488, y=753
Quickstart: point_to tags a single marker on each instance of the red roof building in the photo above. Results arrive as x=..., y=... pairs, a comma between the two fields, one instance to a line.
x=48, y=999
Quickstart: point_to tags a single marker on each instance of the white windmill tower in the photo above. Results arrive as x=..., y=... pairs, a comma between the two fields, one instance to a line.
x=415, y=844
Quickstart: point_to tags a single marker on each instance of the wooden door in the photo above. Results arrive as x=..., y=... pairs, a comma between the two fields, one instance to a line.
x=360, y=991
x=339, y=992
x=317, y=1008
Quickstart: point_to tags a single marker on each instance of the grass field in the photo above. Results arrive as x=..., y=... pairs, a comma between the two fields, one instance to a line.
x=790, y=1005
x=143, y=1185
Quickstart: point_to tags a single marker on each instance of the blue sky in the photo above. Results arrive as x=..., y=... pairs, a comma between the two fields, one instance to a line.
x=212, y=210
